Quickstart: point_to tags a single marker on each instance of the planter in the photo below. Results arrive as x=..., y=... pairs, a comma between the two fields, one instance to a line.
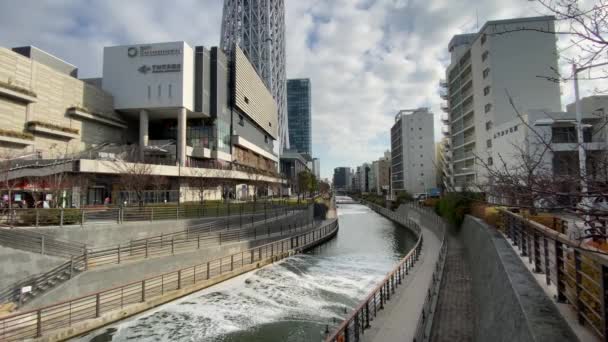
x=16, y=95
x=50, y=131
x=79, y=113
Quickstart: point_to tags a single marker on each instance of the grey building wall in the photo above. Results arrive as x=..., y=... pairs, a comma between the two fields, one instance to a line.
x=47, y=59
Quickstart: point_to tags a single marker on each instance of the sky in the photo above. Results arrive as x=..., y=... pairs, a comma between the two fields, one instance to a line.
x=366, y=59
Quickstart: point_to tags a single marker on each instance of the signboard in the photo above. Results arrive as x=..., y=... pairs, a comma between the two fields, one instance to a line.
x=49, y=197
x=17, y=197
x=156, y=68
x=26, y=289
x=147, y=50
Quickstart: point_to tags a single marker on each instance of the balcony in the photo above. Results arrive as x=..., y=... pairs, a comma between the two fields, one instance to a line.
x=445, y=131
x=17, y=93
x=443, y=83
x=444, y=107
x=52, y=129
x=445, y=118
x=82, y=113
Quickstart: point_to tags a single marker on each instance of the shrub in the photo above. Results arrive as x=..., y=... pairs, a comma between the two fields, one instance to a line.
x=454, y=206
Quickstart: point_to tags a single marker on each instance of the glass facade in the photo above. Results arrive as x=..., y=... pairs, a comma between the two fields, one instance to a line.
x=298, y=113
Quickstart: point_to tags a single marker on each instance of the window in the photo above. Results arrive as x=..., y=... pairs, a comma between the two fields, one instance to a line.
x=486, y=72
x=421, y=156
x=420, y=146
x=159, y=90
x=246, y=99
x=490, y=161
x=488, y=125
x=421, y=165
x=489, y=143
x=266, y=139
x=170, y=91
x=241, y=121
x=515, y=128
x=486, y=91
x=420, y=128
x=149, y=92
x=419, y=138
x=422, y=174
x=483, y=39
x=484, y=55
x=487, y=107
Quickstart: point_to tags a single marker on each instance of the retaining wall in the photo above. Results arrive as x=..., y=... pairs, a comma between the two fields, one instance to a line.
x=17, y=265
x=510, y=305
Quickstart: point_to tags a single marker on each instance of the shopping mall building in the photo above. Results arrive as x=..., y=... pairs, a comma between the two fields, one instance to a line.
x=174, y=113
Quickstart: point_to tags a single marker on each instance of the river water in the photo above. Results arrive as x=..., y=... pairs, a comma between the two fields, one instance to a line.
x=292, y=300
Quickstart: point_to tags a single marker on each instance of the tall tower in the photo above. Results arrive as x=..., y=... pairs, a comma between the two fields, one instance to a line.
x=258, y=28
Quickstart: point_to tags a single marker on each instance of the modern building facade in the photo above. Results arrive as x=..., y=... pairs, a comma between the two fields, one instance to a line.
x=186, y=112
x=298, y=113
x=342, y=179
x=506, y=60
x=292, y=163
x=258, y=28
x=413, y=151
x=316, y=167
x=382, y=175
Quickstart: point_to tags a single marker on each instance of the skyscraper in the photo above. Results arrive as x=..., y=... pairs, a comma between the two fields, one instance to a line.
x=258, y=28
x=298, y=113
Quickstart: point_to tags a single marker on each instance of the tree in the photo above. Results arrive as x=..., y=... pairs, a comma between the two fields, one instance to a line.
x=537, y=177
x=9, y=182
x=304, y=183
x=135, y=175
x=324, y=187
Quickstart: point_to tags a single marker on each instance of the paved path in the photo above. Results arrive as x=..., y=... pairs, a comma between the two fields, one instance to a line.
x=398, y=320
x=454, y=318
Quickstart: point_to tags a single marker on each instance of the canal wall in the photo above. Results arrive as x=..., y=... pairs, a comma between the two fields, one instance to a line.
x=18, y=264
x=83, y=327
x=509, y=303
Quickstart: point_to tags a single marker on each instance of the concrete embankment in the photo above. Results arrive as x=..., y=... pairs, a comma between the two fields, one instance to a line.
x=509, y=303
x=18, y=265
x=85, y=326
x=98, y=279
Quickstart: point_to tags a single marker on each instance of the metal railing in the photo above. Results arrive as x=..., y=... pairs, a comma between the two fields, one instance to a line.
x=579, y=273
x=37, y=217
x=354, y=326
x=275, y=223
x=39, y=243
x=37, y=322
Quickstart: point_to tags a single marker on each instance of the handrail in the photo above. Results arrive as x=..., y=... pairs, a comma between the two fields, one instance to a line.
x=36, y=322
x=353, y=326
x=152, y=247
x=578, y=273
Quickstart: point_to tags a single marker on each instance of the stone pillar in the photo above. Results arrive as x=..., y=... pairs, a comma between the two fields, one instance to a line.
x=181, y=136
x=143, y=132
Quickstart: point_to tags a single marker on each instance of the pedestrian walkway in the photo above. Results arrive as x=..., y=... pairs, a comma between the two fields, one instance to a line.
x=398, y=320
x=454, y=318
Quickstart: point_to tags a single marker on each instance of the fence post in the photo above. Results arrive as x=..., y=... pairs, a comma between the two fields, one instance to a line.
x=559, y=265
x=231, y=262
x=37, y=218
x=42, y=245
x=546, y=257
x=578, y=285
x=151, y=213
x=177, y=212
x=143, y=290
x=147, y=241
x=38, y=323
x=119, y=253
x=179, y=279
x=208, y=270
x=604, y=299
x=86, y=258
x=118, y=216
x=61, y=217
x=82, y=217
x=172, y=244
x=71, y=266
x=97, y=305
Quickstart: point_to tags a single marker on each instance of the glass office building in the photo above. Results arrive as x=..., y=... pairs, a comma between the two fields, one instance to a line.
x=298, y=113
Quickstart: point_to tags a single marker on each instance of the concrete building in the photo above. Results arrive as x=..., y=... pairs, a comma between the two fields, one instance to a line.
x=188, y=112
x=413, y=151
x=381, y=170
x=484, y=66
x=298, y=114
x=292, y=163
x=342, y=179
x=258, y=28
x=316, y=167
x=529, y=135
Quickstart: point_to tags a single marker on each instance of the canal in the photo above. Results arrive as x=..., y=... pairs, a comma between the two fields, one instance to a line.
x=292, y=300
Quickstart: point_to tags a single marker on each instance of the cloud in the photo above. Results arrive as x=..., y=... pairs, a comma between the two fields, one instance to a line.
x=366, y=59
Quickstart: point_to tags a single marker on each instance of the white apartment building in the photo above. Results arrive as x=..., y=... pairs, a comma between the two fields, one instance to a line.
x=413, y=151
x=503, y=59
